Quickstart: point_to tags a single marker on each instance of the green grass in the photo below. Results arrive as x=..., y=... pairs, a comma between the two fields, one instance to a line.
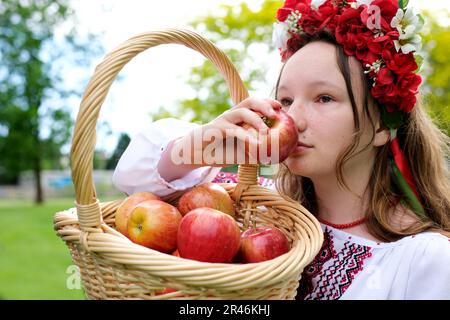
x=33, y=259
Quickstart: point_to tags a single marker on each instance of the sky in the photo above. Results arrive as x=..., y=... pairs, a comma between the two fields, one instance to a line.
x=156, y=77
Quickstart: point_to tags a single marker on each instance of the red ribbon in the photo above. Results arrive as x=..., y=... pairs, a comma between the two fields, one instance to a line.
x=403, y=166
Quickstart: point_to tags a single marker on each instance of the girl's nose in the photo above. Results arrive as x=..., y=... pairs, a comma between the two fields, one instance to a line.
x=299, y=117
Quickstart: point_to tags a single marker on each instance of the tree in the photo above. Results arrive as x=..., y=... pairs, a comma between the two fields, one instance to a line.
x=436, y=88
x=34, y=121
x=244, y=34
x=122, y=144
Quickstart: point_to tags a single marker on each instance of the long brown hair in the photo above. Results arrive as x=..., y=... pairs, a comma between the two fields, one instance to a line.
x=425, y=145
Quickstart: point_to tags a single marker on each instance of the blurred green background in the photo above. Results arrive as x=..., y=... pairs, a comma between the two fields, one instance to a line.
x=48, y=54
x=33, y=261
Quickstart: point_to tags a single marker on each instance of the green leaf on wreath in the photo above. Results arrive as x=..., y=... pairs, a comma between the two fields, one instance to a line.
x=392, y=120
x=402, y=4
x=419, y=61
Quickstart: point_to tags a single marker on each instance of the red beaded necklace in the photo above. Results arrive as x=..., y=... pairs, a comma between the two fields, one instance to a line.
x=344, y=225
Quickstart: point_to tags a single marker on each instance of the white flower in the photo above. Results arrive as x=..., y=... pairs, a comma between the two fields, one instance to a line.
x=281, y=30
x=315, y=4
x=408, y=26
x=375, y=67
x=292, y=21
x=280, y=35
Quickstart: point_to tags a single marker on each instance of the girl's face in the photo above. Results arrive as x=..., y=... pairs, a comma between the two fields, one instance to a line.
x=312, y=90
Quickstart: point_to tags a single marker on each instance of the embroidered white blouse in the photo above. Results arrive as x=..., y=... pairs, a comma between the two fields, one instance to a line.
x=347, y=266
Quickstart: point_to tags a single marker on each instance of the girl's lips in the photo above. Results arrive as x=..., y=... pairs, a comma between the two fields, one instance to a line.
x=301, y=144
x=301, y=148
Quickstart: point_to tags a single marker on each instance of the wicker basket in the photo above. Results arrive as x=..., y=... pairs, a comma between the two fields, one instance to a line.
x=112, y=267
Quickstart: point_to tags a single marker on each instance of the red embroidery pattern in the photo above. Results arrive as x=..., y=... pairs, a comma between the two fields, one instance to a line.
x=331, y=273
x=326, y=253
x=230, y=177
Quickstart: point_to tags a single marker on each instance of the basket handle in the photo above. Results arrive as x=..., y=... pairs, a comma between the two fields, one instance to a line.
x=83, y=143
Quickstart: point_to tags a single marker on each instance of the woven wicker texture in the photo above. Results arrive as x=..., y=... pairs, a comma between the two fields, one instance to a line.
x=112, y=267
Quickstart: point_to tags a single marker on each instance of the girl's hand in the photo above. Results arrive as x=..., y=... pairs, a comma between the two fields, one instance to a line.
x=230, y=125
x=180, y=155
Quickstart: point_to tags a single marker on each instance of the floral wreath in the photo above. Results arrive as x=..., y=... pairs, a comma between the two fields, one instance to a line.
x=383, y=35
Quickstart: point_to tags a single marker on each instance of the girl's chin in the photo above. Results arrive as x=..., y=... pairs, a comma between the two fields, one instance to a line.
x=306, y=166
x=296, y=166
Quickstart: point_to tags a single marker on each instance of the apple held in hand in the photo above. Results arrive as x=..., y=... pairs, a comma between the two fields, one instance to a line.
x=210, y=195
x=154, y=224
x=280, y=140
x=124, y=210
x=208, y=235
x=262, y=243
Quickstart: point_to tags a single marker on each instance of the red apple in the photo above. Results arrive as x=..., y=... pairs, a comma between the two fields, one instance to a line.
x=124, y=210
x=208, y=235
x=165, y=291
x=154, y=224
x=262, y=243
x=211, y=195
x=282, y=131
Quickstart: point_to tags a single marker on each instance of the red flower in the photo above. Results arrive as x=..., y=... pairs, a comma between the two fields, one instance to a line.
x=374, y=46
x=398, y=62
x=327, y=15
x=289, y=6
x=388, y=8
x=303, y=6
x=407, y=103
x=294, y=44
x=377, y=45
x=283, y=13
x=408, y=84
x=311, y=26
x=396, y=92
x=384, y=85
x=385, y=93
x=351, y=14
x=385, y=77
x=328, y=9
x=362, y=51
x=349, y=25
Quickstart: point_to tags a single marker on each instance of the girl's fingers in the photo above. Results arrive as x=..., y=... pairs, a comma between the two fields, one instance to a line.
x=240, y=115
x=241, y=134
x=276, y=105
x=266, y=107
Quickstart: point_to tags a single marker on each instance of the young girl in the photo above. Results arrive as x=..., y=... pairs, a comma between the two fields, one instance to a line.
x=370, y=164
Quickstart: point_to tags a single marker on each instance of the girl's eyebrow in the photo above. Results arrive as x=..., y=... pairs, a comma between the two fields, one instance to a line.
x=316, y=83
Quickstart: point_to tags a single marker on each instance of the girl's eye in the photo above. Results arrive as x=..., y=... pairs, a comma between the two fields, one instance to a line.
x=325, y=99
x=285, y=102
